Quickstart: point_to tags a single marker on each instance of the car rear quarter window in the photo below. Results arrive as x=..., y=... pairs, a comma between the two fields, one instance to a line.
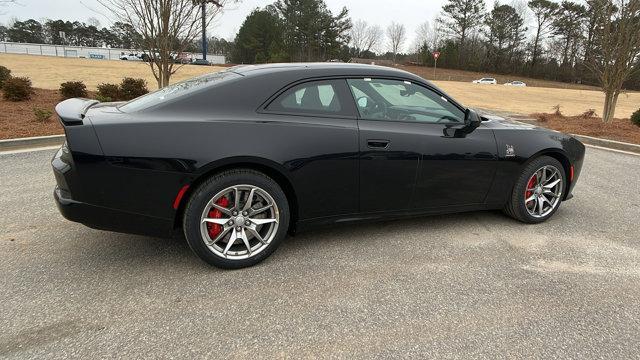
x=177, y=90
x=322, y=98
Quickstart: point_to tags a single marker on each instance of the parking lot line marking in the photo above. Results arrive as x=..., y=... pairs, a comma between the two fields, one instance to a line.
x=19, y=151
x=614, y=150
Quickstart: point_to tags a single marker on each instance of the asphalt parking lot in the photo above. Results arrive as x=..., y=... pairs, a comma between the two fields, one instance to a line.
x=470, y=285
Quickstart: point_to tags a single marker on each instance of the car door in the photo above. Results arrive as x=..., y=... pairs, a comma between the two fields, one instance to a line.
x=423, y=165
x=323, y=135
x=389, y=152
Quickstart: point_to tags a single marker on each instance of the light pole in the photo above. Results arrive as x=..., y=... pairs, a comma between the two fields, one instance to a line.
x=203, y=5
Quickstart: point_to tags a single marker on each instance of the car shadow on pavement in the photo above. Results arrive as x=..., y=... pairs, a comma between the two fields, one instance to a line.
x=101, y=248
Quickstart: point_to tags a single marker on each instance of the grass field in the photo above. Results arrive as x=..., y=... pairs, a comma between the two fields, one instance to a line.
x=48, y=72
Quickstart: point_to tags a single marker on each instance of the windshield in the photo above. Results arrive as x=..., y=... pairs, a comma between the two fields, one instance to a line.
x=176, y=90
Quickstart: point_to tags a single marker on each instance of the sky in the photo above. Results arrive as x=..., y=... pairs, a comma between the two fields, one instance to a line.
x=411, y=13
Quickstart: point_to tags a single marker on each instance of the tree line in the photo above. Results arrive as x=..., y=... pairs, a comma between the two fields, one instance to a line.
x=539, y=38
x=118, y=35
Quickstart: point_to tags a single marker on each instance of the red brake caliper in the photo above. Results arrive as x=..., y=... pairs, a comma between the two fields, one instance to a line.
x=215, y=229
x=530, y=185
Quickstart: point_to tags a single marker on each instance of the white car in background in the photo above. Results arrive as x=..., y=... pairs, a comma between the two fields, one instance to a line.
x=130, y=57
x=491, y=81
x=516, y=83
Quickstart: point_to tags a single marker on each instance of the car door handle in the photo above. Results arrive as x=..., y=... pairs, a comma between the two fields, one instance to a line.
x=378, y=144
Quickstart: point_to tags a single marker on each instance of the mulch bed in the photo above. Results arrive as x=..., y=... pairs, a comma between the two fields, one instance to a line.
x=17, y=119
x=619, y=130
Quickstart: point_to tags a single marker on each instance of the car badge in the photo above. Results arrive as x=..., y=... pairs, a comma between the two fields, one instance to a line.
x=511, y=152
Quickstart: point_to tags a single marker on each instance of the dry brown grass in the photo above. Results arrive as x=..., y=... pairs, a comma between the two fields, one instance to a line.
x=619, y=129
x=48, y=72
x=530, y=100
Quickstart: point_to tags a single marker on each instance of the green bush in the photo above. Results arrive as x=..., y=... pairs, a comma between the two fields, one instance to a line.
x=108, y=92
x=131, y=88
x=103, y=98
x=41, y=114
x=17, y=89
x=5, y=74
x=635, y=117
x=73, y=89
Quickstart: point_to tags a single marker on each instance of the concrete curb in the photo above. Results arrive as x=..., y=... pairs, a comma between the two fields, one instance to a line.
x=610, y=144
x=31, y=142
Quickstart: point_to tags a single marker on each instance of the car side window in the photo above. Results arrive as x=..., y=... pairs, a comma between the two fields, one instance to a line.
x=382, y=99
x=325, y=97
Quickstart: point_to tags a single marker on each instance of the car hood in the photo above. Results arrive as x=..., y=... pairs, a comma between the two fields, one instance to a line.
x=497, y=121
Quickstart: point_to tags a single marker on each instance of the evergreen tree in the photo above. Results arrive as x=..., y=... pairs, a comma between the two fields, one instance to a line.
x=259, y=39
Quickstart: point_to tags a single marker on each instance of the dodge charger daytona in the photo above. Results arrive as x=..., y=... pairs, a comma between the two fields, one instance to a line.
x=236, y=160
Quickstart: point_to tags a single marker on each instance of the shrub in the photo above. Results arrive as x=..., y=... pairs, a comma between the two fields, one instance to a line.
x=73, y=89
x=5, y=74
x=131, y=88
x=542, y=117
x=108, y=92
x=103, y=98
x=635, y=117
x=41, y=114
x=589, y=114
x=17, y=89
x=556, y=110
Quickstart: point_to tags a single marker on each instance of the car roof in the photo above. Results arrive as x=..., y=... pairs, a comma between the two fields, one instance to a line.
x=321, y=69
x=255, y=84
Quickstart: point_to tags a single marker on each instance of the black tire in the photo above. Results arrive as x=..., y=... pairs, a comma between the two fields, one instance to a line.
x=516, y=207
x=212, y=186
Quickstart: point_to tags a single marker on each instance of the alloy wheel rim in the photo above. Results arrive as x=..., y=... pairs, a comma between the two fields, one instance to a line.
x=543, y=191
x=245, y=222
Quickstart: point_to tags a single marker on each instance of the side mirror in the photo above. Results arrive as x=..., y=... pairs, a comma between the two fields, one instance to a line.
x=471, y=119
x=471, y=122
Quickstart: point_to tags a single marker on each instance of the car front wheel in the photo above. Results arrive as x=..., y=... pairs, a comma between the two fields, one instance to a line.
x=538, y=192
x=236, y=219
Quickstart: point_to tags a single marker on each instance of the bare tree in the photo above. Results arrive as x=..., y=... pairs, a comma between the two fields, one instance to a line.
x=397, y=34
x=92, y=21
x=374, y=37
x=365, y=37
x=167, y=27
x=617, y=44
x=437, y=31
x=424, y=34
x=358, y=35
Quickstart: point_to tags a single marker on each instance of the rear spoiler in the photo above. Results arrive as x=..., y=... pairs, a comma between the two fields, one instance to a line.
x=72, y=111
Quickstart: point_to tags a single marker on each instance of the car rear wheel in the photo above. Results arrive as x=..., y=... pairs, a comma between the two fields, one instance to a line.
x=236, y=219
x=538, y=191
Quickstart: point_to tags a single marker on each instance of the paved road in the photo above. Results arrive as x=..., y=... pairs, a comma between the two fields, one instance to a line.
x=468, y=285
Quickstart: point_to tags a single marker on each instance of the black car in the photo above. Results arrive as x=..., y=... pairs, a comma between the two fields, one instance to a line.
x=237, y=159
